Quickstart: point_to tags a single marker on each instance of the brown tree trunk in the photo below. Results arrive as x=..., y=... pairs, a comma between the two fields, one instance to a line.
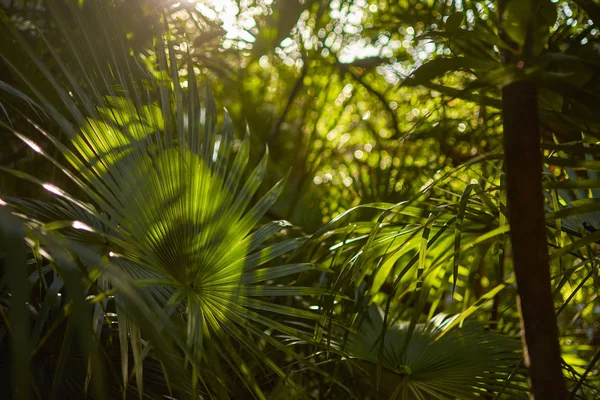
x=523, y=163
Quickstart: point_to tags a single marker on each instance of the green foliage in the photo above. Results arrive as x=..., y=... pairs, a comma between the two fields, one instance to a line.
x=146, y=248
x=432, y=367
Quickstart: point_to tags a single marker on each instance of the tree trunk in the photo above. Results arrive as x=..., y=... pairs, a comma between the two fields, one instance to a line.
x=523, y=163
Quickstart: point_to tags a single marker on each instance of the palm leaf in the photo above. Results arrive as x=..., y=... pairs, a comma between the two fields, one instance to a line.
x=171, y=207
x=460, y=364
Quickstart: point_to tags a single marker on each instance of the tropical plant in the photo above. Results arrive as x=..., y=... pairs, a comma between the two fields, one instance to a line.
x=167, y=203
x=142, y=257
x=426, y=361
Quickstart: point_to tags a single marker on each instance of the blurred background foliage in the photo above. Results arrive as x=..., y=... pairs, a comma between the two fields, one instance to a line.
x=385, y=119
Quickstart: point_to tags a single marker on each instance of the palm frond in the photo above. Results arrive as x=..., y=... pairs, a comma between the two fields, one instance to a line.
x=168, y=204
x=462, y=363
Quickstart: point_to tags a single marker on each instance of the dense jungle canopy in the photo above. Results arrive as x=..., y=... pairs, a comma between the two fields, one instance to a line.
x=299, y=199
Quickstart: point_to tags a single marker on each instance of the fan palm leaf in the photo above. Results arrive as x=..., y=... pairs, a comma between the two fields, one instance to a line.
x=436, y=362
x=171, y=206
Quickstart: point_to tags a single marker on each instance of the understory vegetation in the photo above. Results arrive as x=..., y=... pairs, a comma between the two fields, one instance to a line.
x=292, y=199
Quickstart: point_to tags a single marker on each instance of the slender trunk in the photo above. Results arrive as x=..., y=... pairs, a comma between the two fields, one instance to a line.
x=288, y=106
x=523, y=163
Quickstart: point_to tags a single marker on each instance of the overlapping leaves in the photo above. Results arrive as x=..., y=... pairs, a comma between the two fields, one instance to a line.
x=168, y=201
